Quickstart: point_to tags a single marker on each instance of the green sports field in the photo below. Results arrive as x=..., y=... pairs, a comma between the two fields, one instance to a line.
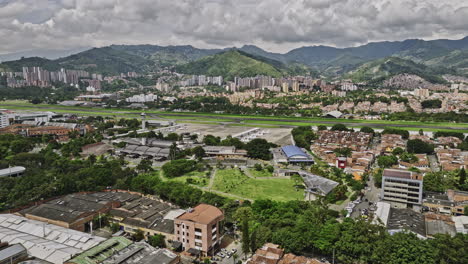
x=234, y=182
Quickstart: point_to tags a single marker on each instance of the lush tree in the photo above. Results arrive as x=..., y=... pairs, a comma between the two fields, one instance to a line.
x=419, y=146
x=367, y=129
x=303, y=135
x=344, y=152
x=436, y=103
x=259, y=148
x=397, y=151
x=449, y=249
x=322, y=127
x=145, y=165
x=339, y=127
x=408, y=157
x=258, y=167
x=157, y=241
x=462, y=177
x=138, y=235
x=211, y=140
x=199, y=152
x=179, y=167
x=245, y=239
x=387, y=161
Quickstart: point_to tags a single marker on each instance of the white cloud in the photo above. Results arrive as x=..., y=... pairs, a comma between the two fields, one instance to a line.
x=273, y=24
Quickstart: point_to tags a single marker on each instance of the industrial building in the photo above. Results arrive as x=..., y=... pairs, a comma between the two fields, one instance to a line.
x=148, y=215
x=292, y=154
x=12, y=254
x=44, y=241
x=76, y=211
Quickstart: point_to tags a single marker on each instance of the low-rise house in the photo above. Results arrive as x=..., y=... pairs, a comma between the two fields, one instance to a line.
x=356, y=141
x=451, y=142
x=450, y=203
x=422, y=164
x=273, y=254
x=452, y=159
x=389, y=142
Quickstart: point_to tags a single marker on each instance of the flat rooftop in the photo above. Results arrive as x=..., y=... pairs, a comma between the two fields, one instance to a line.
x=402, y=174
x=51, y=243
x=12, y=171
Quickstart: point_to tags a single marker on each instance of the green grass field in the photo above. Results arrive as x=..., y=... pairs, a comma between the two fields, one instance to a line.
x=234, y=182
x=260, y=174
x=198, y=178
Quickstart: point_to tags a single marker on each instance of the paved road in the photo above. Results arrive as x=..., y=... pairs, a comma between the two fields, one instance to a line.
x=433, y=163
x=212, y=178
x=371, y=194
x=234, y=119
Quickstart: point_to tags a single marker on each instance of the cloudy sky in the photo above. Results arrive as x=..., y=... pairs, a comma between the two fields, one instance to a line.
x=275, y=25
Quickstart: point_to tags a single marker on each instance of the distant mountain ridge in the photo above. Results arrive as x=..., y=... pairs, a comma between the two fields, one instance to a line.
x=328, y=61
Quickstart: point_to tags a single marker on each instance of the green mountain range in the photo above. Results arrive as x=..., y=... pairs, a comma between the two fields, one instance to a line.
x=379, y=70
x=230, y=64
x=372, y=61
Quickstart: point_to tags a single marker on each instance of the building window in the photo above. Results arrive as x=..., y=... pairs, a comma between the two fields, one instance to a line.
x=198, y=230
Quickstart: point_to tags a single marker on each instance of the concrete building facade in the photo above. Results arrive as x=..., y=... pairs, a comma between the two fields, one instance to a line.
x=199, y=229
x=402, y=187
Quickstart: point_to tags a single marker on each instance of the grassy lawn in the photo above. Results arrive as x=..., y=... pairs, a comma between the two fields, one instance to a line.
x=260, y=174
x=199, y=178
x=234, y=182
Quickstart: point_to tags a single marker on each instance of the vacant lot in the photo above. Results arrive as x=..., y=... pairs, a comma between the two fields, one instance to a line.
x=195, y=177
x=234, y=182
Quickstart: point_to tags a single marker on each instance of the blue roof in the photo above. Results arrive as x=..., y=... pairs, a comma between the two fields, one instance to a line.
x=291, y=151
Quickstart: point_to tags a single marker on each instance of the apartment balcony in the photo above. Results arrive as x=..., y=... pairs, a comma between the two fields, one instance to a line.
x=214, y=230
x=198, y=241
x=198, y=233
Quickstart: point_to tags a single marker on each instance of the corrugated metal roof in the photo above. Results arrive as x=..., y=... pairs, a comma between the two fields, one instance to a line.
x=291, y=151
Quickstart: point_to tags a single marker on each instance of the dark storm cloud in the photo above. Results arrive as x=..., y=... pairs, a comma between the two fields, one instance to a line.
x=275, y=24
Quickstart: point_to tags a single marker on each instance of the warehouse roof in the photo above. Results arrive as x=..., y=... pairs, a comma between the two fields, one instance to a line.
x=11, y=251
x=44, y=241
x=12, y=171
x=292, y=151
x=102, y=251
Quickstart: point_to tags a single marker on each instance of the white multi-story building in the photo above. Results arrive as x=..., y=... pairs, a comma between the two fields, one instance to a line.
x=4, y=121
x=402, y=187
x=347, y=86
x=142, y=98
